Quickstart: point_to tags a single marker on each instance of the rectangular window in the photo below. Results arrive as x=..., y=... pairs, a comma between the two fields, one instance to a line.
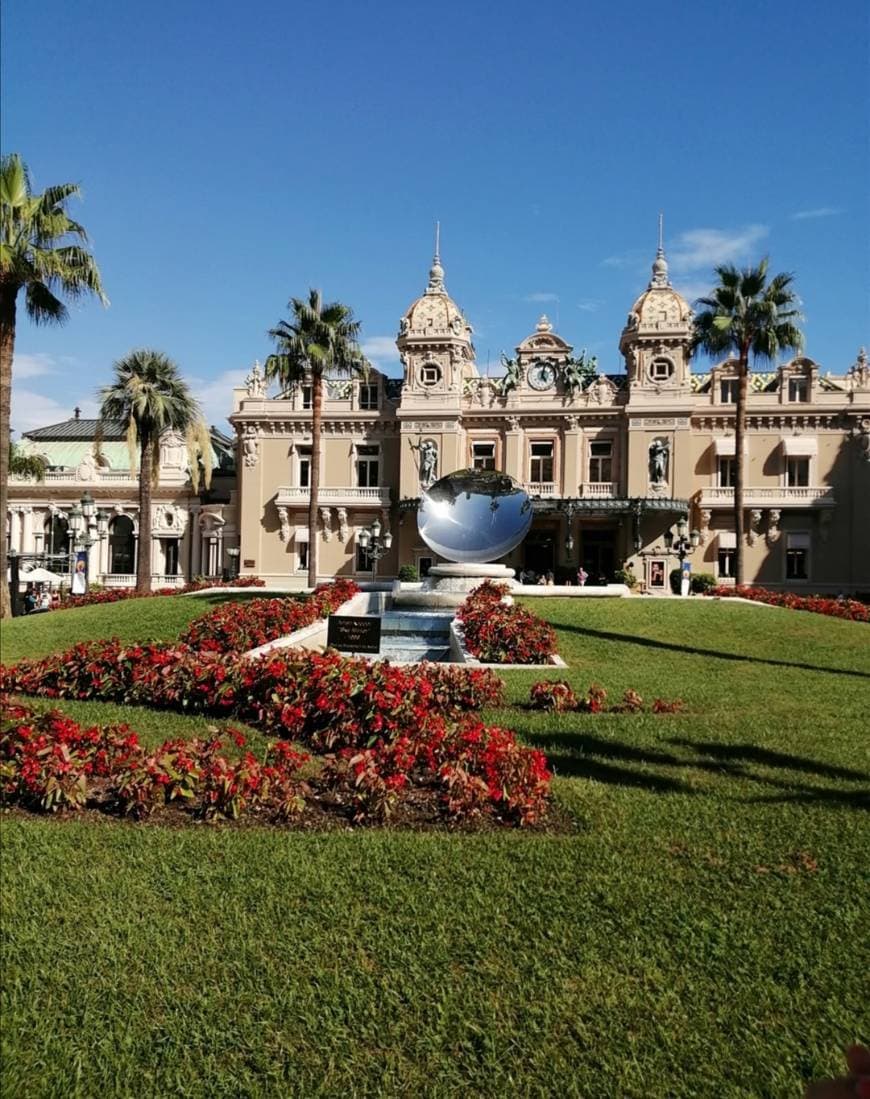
x=725, y=560
x=367, y=466
x=728, y=388
x=483, y=455
x=797, y=557
x=171, y=557
x=363, y=559
x=306, y=396
x=301, y=556
x=541, y=463
x=601, y=462
x=798, y=389
x=797, y=472
x=424, y=564
x=305, y=467
x=368, y=396
x=727, y=472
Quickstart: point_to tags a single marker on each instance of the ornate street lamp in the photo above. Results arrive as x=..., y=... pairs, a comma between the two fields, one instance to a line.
x=375, y=546
x=683, y=544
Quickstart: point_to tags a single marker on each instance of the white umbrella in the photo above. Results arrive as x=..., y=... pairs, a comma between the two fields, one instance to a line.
x=41, y=576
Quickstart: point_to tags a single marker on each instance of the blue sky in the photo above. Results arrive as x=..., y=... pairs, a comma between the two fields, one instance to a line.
x=233, y=155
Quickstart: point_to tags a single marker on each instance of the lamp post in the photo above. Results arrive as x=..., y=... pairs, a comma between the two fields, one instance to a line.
x=683, y=544
x=86, y=526
x=375, y=545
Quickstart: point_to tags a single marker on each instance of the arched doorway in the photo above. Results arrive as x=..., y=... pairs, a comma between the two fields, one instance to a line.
x=122, y=546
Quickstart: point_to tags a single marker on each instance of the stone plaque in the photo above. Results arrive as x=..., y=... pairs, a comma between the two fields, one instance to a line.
x=354, y=633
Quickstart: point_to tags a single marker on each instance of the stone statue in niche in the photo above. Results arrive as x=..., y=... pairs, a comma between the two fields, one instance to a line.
x=428, y=463
x=658, y=461
x=284, y=520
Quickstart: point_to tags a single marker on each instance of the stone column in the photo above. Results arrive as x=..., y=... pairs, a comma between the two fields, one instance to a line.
x=572, y=462
x=27, y=530
x=513, y=448
x=15, y=530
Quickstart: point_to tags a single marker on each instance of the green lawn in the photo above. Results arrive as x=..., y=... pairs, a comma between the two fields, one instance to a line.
x=701, y=934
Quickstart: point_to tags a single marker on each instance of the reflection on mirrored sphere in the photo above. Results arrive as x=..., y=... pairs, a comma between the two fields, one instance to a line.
x=474, y=515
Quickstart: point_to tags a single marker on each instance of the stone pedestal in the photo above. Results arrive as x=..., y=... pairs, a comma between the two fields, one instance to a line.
x=448, y=586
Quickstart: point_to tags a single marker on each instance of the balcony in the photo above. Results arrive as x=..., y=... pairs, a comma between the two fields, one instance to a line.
x=598, y=489
x=770, y=496
x=70, y=477
x=332, y=496
x=541, y=488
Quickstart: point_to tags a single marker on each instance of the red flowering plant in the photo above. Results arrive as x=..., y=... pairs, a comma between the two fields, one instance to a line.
x=553, y=695
x=485, y=770
x=48, y=761
x=234, y=628
x=595, y=700
x=503, y=633
x=557, y=696
x=118, y=595
x=850, y=609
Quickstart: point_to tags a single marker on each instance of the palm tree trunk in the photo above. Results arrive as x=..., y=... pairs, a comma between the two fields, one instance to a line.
x=143, y=557
x=316, y=418
x=7, y=348
x=740, y=465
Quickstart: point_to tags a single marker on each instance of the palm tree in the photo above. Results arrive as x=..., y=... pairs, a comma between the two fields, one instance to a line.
x=320, y=341
x=41, y=252
x=151, y=398
x=747, y=314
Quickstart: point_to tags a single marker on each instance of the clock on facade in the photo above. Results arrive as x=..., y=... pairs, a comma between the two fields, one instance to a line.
x=541, y=375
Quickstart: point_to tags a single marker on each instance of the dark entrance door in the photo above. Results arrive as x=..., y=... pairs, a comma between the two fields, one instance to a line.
x=539, y=552
x=598, y=555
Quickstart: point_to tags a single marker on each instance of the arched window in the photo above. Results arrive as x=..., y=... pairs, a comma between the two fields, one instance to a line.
x=56, y=530
x=122, y=546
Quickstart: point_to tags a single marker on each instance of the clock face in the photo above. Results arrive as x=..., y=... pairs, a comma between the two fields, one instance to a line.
x=541, y=375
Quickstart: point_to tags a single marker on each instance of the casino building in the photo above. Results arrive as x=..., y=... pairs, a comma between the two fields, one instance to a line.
x=611, y=461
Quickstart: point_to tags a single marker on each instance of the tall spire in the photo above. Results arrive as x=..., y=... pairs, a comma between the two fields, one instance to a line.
x=660, y=264
x=436, y=271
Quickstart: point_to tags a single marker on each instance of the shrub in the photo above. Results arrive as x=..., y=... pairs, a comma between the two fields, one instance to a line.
x=98, y=595
x=234, y=628
x=49, y=762
x=702, y=582
x=502, y=633
x=553, y=695
x=625, y=576
x=323, y=699
x=408, y=574
x=835, y=608
x=675, y=576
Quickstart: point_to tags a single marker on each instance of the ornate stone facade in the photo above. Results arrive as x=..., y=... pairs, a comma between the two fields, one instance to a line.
x=612, y=460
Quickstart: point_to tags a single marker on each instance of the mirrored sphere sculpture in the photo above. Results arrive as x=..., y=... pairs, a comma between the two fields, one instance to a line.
x=474, y=515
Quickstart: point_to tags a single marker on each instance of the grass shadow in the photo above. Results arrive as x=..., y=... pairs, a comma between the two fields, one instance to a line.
x=583, y=755
x=694, y=650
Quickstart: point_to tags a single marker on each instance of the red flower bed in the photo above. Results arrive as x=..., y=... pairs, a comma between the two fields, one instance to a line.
x=503, y=633
x=324, y=699
x=817, y=604
x=49, y=762
x=238, y=628
x=117, y=595
x=558, y=696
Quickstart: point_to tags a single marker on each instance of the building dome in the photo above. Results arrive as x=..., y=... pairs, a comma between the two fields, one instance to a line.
x=435, y=313
x=659, y=306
